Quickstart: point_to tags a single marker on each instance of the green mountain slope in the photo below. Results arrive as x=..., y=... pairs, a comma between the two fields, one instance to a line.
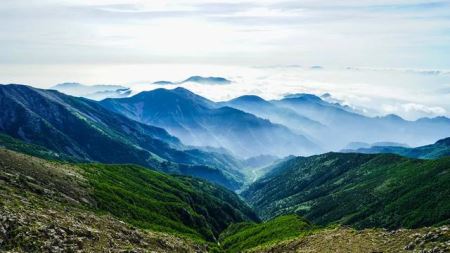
x=161, y=202
x=11, y=143
x=83, y=129
x=357, y=189
x=241, y=236
x=437, y=150
x=146, y=199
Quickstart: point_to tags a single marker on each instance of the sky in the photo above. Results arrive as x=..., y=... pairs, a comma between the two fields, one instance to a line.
x=379, y=56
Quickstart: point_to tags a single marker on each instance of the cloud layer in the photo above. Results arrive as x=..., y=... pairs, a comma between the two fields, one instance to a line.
x=394, y=33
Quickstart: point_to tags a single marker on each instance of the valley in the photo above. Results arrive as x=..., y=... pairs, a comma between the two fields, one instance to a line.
x=171, y=171
x=221, y=126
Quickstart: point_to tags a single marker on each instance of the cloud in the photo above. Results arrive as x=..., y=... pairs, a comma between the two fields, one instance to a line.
x=414, y=110
x=404, y=70
x=254, y=32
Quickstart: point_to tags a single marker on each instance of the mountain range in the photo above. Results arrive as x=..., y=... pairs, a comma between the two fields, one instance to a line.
x=211, y=80
x=333, y=126
x=83, y=129
x=198, y=121
x=55, y=206
x=439, y=149
x=315, y=124
x=121, y=174
x=96, y=92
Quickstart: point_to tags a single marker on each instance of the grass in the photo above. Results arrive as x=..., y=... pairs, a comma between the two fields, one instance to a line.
x=161, y=202
x=361, y=190
x=244, y=236
x=183, y=206
x=11, y=143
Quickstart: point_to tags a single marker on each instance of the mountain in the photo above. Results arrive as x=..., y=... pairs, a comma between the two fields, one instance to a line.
x=207, y=80
x=163, y=82
x=437, y=150
x=96, y=92
x=200, y=122
x=52, y=206
x=14, y=144
x=284, y=116
x=361, y=190
x=357, y=145
x=259, y=161
x=292, y=233
x=211, y=80
x=61, y=207
x=343, y=126
x=83, y=129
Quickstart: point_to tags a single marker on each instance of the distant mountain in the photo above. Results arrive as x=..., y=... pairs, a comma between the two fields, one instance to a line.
x=361, y=190
x=96, y=92
x=200, y=122
x=352, y=146
x=268, y=110
x=437, y=150
x=163, y=82
x=207, y=80
x=83, y=129
x=212, y=80
x=343, y=126
x=333, y=126
x=260, y=161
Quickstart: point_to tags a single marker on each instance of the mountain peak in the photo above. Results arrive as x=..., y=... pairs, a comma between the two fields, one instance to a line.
x=67, y=85
x=182, y=90
x=303, y=96
x=393, y=117
x=248, y=98
x=207, y=80
x=445, y=142
x=163, y=82
x=167, y=95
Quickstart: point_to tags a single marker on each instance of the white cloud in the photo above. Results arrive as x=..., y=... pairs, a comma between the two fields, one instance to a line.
x=414, y=110
x=405, y=70
x=370, y=32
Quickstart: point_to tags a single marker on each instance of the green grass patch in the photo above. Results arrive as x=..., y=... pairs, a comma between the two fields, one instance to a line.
x=243, y=236
x=166, y=203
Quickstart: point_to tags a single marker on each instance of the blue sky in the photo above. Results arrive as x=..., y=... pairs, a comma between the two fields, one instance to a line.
x=47, y=41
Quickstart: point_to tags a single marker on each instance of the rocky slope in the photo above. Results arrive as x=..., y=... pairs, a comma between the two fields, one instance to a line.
x=343, y=240
x=55, y=207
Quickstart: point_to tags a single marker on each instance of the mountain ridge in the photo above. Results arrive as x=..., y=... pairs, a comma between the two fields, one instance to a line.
x=333, y=125
x=200, y=122
x=440, y=148
x=362, y=190
x=82, y=128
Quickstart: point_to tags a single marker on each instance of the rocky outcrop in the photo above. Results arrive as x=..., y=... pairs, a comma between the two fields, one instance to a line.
x=423, y=240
